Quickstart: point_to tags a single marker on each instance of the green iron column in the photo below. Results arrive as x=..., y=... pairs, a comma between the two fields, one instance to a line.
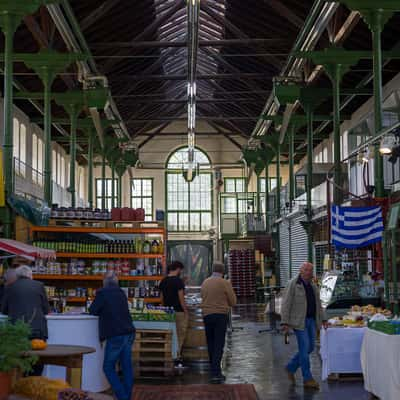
x=376, y=14
x=103, y=182
x=310, y=132
x=336, y=62
x=113, y=186
x=11, y=14
x=394, y=272
x=278, y=181
x=90, y=167
x=120, y=190
x=291, y=166
x=9, y=25
x=47, y=64
x=266, y=197
x=73, y=103
x=48, y=189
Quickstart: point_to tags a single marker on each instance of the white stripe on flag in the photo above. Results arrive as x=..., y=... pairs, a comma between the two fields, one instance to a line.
x=359, y=242
x=348, y=232
x=360, y=214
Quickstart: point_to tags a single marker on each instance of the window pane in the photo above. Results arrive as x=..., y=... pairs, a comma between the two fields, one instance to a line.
x=136, y=187
x=16, y=138
x=240, y=185
x=99, y=187
x=22, y=143
x=147, y=187
x=173, y=221
x=229, y=205
x=54, y=165
x=136, y=202
x=183, y=219
x=229, y=185
x=195, y=221
x=205, y=221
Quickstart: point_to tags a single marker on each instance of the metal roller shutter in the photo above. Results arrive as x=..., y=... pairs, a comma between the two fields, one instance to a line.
x=298, y=240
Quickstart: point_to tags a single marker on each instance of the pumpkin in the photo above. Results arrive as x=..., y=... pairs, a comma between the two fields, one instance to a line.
x=38, y=344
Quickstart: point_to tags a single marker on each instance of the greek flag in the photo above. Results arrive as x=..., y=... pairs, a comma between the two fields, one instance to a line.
x=354, y=227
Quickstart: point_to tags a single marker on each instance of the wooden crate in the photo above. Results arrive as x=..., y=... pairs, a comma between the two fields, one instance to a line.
x=152, y=353
x=345, y=377
x=22, y=229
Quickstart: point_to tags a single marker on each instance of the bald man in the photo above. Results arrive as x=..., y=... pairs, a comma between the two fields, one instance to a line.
x=302, y=311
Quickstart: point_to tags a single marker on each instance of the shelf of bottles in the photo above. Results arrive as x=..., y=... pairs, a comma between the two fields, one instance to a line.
x=85, y=254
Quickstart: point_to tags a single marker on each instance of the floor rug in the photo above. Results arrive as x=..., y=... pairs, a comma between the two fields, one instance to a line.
x=195, y=392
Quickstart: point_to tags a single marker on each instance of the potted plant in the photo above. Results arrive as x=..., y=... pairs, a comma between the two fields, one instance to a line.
x=14, y=343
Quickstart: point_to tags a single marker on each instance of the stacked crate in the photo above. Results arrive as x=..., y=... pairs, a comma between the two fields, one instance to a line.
x=152, y=353
x=242, y=271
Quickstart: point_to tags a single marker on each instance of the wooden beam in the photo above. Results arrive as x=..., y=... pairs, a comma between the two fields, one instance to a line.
x=97, y=13
x=284, y=11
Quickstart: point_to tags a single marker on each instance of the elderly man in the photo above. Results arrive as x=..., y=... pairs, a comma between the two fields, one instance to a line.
x=116, y=327
x=217, y=299
x=26, y=300
x=302, y=311
x=8, y=279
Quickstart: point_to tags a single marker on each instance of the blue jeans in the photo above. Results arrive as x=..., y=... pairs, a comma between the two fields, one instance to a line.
x=119, y=348
x=306, y=343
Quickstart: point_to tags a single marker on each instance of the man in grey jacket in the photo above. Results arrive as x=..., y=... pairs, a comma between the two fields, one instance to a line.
x=26, y=300
x=302, y=311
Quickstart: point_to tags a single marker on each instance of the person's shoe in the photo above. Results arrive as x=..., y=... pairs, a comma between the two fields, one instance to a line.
x=291, y=376
x=311, y=384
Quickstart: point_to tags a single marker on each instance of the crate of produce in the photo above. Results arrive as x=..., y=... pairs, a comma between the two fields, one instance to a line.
x=139, y=316
x=388, y=327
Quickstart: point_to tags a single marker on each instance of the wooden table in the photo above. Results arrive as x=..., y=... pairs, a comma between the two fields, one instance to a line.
x=67, y=356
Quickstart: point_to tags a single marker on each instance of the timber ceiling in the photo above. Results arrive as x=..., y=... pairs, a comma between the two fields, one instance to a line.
x=141, y=47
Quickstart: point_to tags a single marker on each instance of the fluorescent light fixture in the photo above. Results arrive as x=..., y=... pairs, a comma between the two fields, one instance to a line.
x=387, y=144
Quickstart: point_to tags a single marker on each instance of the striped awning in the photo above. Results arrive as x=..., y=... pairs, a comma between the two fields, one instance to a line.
x=25, y=250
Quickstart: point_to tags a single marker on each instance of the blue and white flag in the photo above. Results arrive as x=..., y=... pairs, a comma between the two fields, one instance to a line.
x=354, y=227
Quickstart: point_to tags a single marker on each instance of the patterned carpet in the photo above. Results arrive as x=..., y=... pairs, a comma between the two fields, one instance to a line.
x=195, y=392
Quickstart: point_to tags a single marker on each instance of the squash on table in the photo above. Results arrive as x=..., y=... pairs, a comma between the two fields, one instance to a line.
x=38, y=344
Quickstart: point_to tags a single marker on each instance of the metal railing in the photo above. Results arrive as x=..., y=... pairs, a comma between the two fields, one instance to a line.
x=27, y=181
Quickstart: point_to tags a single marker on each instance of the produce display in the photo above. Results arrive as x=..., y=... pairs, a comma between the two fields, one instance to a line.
x=95, y=246
x=391, y=327
x=153, y=313
x=359, y=316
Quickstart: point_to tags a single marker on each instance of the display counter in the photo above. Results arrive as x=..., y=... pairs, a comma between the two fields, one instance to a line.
x=380, y=360
x=340, y=350
x=79, y=330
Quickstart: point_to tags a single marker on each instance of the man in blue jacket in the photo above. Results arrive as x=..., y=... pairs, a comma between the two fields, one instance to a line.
x=116, y=327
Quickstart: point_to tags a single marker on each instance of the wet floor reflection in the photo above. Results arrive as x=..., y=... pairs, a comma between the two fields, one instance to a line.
x=259, y=359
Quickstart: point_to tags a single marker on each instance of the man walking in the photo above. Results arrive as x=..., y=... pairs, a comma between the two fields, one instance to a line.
x=172, y=291
x=302, y=311
x=116, y=327
x=217, y=299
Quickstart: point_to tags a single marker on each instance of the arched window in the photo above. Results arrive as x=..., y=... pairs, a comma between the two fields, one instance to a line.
x=179, y=159
x=189, y=204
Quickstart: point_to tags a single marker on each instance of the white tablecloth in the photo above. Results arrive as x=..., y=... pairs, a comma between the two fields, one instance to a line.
x=380, y=360
x=340, y=350
x=159, y=325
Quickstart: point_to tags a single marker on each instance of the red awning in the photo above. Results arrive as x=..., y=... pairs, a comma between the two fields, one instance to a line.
x=25, y=250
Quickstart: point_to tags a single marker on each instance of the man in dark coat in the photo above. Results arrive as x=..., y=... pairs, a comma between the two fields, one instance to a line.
x=26, y=300
x=116, y=327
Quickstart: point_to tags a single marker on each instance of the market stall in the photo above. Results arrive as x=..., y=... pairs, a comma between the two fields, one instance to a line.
x=380, y=361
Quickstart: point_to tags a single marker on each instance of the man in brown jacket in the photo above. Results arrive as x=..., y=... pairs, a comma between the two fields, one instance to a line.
x=217, y=299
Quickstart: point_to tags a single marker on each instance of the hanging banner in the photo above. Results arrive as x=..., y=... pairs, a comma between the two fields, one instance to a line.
x=2, y=189
x=354, y=227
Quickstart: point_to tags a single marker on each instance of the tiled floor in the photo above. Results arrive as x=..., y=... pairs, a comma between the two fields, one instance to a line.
x=259, y=359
